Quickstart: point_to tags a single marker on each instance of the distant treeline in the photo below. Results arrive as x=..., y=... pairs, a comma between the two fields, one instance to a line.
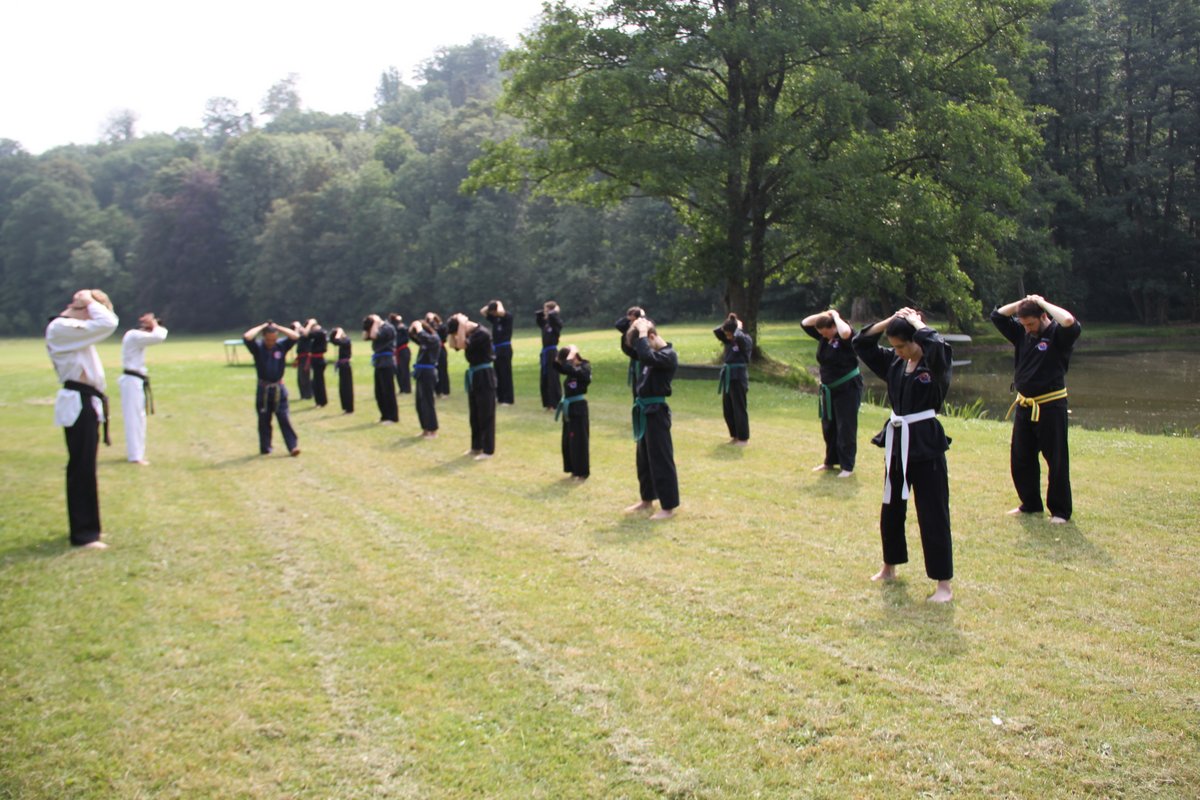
x=293, y=212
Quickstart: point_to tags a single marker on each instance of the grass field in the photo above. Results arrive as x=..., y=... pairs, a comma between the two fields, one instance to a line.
x=383, y=618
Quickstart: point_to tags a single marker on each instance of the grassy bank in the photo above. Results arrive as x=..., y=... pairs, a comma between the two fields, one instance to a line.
x=384, y=618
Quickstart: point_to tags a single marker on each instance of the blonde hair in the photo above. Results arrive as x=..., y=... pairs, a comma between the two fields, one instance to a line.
x=101, y=297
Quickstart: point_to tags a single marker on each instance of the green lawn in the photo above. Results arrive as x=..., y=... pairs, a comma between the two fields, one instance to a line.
x=382, y=617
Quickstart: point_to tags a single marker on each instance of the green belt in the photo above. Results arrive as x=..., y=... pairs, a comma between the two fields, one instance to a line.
x=564, y=406
x=723, y=381
x=472, y=370
x=631, y=378
x=639, y=414
x=825, y=393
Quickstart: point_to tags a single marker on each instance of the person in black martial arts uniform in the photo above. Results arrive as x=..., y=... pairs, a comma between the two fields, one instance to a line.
x=383, y=359
x=271, y=397
x=840, y=393
x=502, y=330
x=657, y=479
x=345, y=375
x=443, y=364
x=81, y=405
x=577, y=374
x=429, y=345
x=549, y=319
x=403, y=355
x=622, y=325
x=303, y=364
x=735, y=378
x=1044, y=336
x=480, y=381
x=917, y=371
x=318, y=343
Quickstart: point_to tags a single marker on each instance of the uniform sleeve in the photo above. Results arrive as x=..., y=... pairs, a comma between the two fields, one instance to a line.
x=540, y=316
x=651, y=357
x=937, y=353
x=251, y=345
x=746, y=342
x=1065, y=338
x=812, y=331
x=622, y=324
x=866, y=347
x=555, y=321
x=146, y=338
x=82, y=333
x=286, y=344
x=719, y=332
x=1009, y=328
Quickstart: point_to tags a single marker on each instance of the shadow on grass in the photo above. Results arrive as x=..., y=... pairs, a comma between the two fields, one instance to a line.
x=727, y=452
x=237, y=461
x=52, y=547
x=629, y=529
x=828, y=485
x=555, y=490
x=925, y=631
x=1065, y=542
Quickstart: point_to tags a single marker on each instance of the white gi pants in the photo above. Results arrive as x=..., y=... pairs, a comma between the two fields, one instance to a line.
x=133, y=409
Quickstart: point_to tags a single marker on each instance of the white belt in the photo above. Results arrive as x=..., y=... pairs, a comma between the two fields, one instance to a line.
x=901, y=422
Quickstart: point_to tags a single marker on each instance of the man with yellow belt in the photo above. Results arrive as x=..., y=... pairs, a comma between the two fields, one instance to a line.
x=1044, y=336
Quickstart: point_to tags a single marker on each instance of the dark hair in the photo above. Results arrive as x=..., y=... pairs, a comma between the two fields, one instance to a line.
x=492, y=306
x=366, y=324
x=900, y=328
x=1030, y=308
x=432, y=318
x=394, y=318
x=824, y=322
x=452, y=326
x=563, y=352
x=731, y=323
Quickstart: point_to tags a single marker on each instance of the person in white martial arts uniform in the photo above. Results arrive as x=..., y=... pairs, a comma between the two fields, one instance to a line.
x=136, y=397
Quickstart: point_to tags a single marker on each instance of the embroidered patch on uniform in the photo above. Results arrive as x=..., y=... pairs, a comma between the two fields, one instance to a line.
x=924, y=377
x=1043, y=346
x=835, y=344
x=277, y=354
x=735, y=348
x=571, y=384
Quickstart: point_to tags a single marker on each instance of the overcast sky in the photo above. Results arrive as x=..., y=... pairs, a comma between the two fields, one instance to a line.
x=68, y=66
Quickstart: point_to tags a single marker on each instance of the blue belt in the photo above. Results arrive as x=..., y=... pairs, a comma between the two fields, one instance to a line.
x=550, y=348
x=564, y=406
x=639, y=414
x=631, y=378
x=377, y=359
x=471, y=371
x=500, y=344
x=417, y=367
x=723, y=382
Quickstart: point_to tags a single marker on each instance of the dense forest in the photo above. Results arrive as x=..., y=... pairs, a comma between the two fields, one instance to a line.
x=1057, y=151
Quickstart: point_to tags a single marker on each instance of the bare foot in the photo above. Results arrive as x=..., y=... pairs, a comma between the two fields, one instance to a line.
x=472, y=452
x=663, y=513
x=1018, y=511
x=141, y=462
x=887, y=573
x=942, y=594
x=295, y=451
x=845, y=473
x=483, y=456
x=821, y=468
x=1059, y=520
x=96, y=545
x=644, y=505
x=387, y=422
x=580, y=478
x=740, y=442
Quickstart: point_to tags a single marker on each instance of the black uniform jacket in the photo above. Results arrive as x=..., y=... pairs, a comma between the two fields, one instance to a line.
x=737, y=351
x=430, y=346
x=836, y=358
x=577, y=377
x=551, y=325
x=502, y=327
x=1041, y=360
x=270, y=362
x=924, y=388
x=658, y=368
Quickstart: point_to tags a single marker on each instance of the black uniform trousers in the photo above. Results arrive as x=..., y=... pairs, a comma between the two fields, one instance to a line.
x=482, y=400
x=443, y=374
x=930, y=491
x=426, y=380
x=737, y=417
x=277, y=404
x=576, y=438
x=504, y=378
x=403, y=373
x=320, y=396
x=1047, y=436
x=657, y=479
x=83, y=496
x=346, y=387
x=304, y=376
x=385, y=398
x=551, y=388
x=841, y=432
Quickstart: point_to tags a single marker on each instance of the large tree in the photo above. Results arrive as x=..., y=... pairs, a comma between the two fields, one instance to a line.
x=870, y=139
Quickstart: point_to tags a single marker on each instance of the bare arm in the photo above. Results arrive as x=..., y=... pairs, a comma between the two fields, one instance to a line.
x=255, y=331
x=843, y=327
x=1057, y=313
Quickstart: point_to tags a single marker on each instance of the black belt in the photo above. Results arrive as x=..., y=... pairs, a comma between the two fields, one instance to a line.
x=87, y=390
x=146, y=386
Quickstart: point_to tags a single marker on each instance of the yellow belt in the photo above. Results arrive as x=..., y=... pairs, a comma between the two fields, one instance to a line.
x=1036, y=402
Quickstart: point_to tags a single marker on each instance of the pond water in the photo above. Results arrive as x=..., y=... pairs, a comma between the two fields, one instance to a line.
x=1142, y=389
